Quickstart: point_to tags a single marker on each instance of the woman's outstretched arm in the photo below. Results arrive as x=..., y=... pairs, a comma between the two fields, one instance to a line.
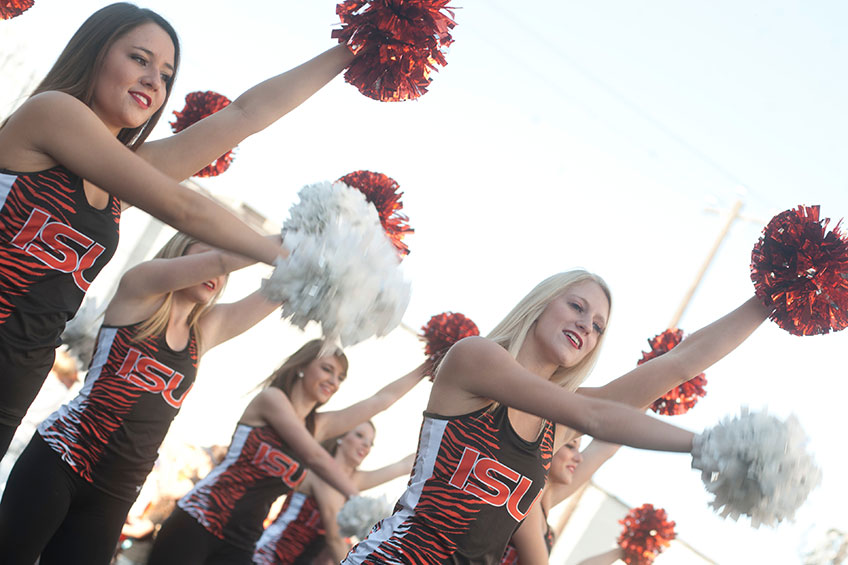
x=647, y=382
x=69, y=132
x=479, y=368
x=181, y=155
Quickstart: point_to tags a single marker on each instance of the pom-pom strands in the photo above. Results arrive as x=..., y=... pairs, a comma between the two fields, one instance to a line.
x=647, y=532
x=442, y=331
x=12, y=8
x=342, y=271
x=198, y=106
x=360, y=513
x=445, y=329
x=382, y=191
x=397, y=43
x=800, y=268
x=680, y=399
x=756, y=465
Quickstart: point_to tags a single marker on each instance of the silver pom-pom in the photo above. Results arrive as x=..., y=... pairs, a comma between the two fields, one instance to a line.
x=360, y=513
x=756, y=465
x=342, y=271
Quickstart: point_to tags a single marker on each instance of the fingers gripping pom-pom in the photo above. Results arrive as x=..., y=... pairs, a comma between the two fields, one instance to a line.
x=382, y=191
x=681, y=399
x=756, y=465
x=198, y=106
x=802, y=270
x=342, y=271
x=360, y=513
x=398, y=44
x=12, y=8
x=647, y=532
x=442, y=331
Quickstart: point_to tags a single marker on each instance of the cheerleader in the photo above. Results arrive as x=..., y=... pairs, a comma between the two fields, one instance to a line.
x=488, y=433
x=70, y=491
x=306, y=530
x=75, y=153
x=277, y=439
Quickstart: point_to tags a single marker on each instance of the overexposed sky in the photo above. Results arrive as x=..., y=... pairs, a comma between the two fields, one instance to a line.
x=564, y=134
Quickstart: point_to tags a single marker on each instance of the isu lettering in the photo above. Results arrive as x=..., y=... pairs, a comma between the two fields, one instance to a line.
x=49, y=243
x=491, y=473
x=152, y=376
x=275, y=462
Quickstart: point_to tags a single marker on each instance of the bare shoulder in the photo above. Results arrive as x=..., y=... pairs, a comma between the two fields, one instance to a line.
x=270, y=400
x=39, y=125
x=467, y=360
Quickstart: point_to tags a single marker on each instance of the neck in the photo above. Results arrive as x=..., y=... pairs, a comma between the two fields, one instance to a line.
x=344, y=463
x=529, y=359
x=301, y=403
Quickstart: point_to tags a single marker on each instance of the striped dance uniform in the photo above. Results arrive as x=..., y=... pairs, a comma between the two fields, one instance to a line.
x=53, y=243
x=90, y=458
x=225, y=511
x=473, y=482
x=295, y=537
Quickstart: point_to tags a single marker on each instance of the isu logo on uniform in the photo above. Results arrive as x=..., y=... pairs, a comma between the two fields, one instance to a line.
x=485, y=470
x=49, y=242
x=152, y=376
x=276, y=463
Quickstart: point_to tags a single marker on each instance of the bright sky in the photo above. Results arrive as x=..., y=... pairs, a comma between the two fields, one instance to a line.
x=593, y=134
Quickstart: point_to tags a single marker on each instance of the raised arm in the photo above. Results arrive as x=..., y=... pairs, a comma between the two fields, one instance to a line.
x=70, y=133
x=529, y=539
x=329, y=502
x=369, y=479
x=226, y=321
x=181, y=155
x=479, y=368
x=596, y=454
x=647, y=382
x=272, y=406
x=334, y=423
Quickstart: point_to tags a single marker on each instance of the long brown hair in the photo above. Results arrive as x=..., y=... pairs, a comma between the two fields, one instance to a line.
x=287, y=374
x=76, y=70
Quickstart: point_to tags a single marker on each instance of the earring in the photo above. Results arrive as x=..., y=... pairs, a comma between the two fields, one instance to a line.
x=339, y=441
x=300, y=374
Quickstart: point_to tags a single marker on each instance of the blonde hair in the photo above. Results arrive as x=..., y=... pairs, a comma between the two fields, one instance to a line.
x=511, y=332
x=286, y=374
x=157, y=323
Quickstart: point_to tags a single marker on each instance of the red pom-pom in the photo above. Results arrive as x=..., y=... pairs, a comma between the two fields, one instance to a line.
x=198, y=106
x=12, y=8
x=382, y=191
x=647, y=532
x=680, y=399
x=800, y=268
x=443, y=330
x=397, y=42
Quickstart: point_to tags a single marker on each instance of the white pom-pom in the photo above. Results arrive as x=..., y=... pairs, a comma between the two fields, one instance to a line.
x=756, y=465
x=342, y=271
x=360, y=513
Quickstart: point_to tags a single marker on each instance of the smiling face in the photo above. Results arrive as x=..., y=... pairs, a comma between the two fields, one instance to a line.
x=565, y=462
x=355, y=445
x=572, y=323
x=322, y=377
x=132, y=82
